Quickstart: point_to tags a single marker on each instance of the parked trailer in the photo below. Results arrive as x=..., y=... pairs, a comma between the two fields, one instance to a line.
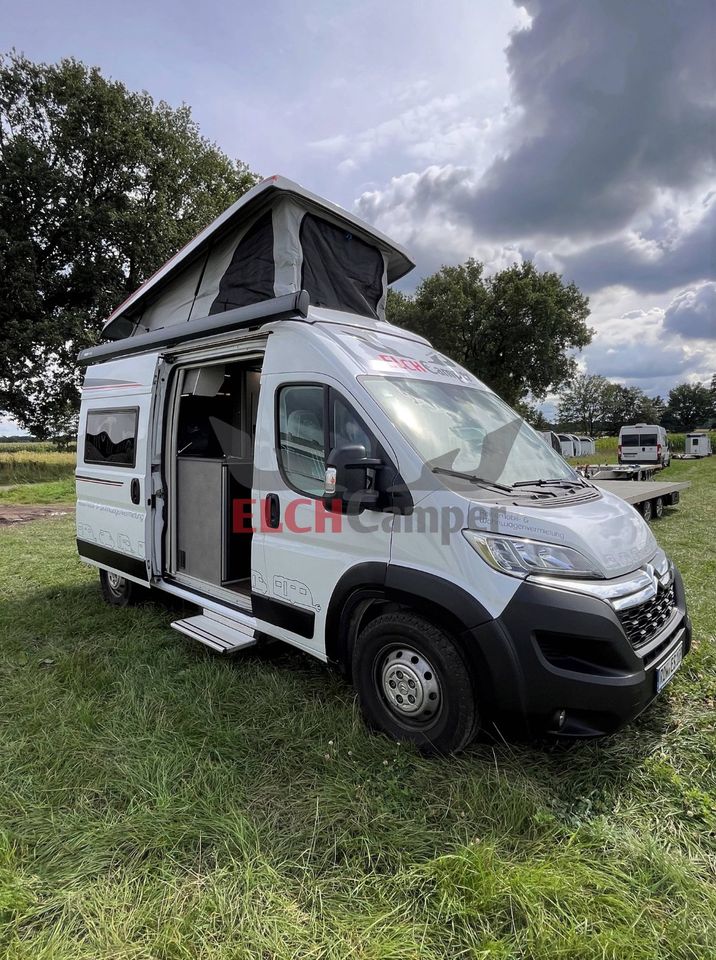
x=698, y=444
x=648, y=496
x=617, y=471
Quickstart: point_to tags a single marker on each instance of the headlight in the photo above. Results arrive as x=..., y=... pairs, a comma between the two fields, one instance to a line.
x=520, y=557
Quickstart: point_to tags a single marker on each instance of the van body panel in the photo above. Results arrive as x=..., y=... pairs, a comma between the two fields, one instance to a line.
x=112, y=510
x=295, y=565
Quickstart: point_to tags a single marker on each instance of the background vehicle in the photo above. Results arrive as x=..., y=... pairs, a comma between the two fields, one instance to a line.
x=644, y=443
x=698, y=444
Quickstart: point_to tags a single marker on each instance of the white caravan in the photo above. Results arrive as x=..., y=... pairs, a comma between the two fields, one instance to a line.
x=644, y=443
x=259, y=442
x=553, y=440
x=698, y=444
x=566, y=442
x=586, y=446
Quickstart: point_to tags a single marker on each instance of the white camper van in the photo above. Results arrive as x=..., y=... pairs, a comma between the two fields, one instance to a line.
x=258, y=441
x=644, y=443
x=698, y=444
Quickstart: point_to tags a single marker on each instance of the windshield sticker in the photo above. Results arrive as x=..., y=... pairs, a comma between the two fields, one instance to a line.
x=434, y=365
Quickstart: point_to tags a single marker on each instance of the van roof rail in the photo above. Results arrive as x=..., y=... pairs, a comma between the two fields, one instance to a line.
x=291, y=306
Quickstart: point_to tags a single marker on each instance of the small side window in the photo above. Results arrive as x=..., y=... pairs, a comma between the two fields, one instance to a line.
x=302, y=437
x=111, y=437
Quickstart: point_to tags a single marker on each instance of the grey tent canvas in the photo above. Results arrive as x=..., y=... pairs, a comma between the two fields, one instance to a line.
x=275, y=240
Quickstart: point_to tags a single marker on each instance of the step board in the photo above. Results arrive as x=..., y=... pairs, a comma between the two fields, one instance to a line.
x=222, y=634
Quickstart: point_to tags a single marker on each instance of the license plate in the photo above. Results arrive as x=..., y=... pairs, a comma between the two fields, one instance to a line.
x=666, y=670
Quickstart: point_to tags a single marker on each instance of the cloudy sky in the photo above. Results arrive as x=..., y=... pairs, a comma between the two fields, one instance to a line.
x=578, y=133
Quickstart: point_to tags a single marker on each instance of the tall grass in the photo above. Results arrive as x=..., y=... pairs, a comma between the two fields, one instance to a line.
x=161, y=803
x=30, y=466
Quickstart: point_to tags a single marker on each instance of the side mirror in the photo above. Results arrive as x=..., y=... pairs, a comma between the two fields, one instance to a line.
x=347, y=477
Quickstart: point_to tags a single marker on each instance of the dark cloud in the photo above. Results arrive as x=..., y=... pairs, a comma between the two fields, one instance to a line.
x=638, y=359
x=649, y=267
x=693, y=313
x=616, y=102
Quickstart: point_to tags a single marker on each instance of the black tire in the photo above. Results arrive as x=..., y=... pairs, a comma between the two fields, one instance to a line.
x=659, y=508
x=646, y=510
x=120, y=592
x=401, y=655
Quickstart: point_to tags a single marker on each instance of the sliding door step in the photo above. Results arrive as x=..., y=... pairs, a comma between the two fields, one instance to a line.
x=222, y=634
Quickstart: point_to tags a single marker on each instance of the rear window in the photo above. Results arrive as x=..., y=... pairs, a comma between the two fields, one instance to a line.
x=630, y=440
x=111, y=437
x=648, y=440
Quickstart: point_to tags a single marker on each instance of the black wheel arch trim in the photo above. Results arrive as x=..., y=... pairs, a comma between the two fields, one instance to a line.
x=438, y=599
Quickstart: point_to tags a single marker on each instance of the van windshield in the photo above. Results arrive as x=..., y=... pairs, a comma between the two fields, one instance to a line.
x=460, y=428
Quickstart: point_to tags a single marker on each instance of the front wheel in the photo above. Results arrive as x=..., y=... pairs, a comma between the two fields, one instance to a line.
x=646, y=510
x=118, y=591
x=413, y=684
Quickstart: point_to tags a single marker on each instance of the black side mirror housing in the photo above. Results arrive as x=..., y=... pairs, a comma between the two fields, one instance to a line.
x=347, y=478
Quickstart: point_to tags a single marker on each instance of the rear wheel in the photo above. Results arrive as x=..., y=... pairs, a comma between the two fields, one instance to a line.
x=659, y=507
x=413, y=684
x=646, y=510
x=118, y=591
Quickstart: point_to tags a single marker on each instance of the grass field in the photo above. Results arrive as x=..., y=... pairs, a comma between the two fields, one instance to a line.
x=35, y=466
x=159, y=802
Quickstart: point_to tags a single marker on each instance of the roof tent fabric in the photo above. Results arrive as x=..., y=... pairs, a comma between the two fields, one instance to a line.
x=277, y=239
x=250, y=275
x=339, y=270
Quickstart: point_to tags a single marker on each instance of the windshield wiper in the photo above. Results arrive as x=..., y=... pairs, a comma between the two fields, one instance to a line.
x=473, y=478
x=561, y=482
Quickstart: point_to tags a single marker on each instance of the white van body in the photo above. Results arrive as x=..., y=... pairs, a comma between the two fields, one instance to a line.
x=331, y=481
x=698, y=444
x=644, y=443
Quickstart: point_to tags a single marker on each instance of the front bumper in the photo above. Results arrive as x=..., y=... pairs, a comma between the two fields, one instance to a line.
x=552, y=650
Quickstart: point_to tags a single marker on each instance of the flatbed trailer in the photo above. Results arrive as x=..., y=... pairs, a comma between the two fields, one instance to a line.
x=619, y=471
x=648, y=496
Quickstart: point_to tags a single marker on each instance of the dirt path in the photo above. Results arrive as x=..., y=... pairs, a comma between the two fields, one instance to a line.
x=11, y=513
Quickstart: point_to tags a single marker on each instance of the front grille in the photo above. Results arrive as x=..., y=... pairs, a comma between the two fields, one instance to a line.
x=641, y=624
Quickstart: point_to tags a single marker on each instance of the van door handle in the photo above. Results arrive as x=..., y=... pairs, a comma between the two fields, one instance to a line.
x=134, y=491
x=273, y=510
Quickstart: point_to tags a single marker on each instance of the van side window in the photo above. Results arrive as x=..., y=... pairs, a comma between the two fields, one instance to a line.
x=302, y=437
x=111, y=437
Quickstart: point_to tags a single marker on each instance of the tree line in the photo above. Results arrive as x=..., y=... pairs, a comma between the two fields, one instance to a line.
x=100, y=185
x=594, y=405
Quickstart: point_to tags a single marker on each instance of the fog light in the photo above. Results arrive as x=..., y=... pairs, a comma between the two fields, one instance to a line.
x=559, y=719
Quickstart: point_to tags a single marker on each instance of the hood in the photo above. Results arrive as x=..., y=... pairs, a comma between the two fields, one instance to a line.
x=607, y=530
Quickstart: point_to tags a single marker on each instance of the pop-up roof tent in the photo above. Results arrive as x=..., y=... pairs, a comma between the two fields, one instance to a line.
x=277, y=239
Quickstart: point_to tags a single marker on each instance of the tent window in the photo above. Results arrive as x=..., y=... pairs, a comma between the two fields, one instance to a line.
x=250, y=275
x=339, y=270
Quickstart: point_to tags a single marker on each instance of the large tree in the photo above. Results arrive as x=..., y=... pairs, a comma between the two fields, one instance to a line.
x=515, y=329
x=690, y=405
x=98, y=187
x=582, y=402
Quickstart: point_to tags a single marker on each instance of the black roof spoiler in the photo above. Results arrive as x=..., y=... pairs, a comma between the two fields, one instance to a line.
x=289, y=307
